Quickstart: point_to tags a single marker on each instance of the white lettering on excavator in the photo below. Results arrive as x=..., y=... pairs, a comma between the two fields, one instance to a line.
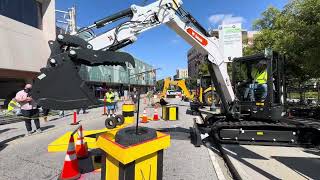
x=197, y=36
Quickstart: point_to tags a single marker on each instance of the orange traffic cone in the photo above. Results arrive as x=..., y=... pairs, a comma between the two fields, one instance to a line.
x=70, y=169
x=155, y=115
x=81, y=146
x=74, y=118
x=144, y=117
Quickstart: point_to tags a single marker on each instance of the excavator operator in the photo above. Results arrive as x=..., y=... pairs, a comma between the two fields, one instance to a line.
x=259, y=82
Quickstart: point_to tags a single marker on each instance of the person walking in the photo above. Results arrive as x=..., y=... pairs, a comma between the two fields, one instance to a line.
x=110, y=102
x=29, y=109
x=45, y=113
x=83, y=110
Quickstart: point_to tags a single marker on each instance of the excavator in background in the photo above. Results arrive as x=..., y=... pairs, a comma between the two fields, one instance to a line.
x=203, y=95
x=263, y=121
x=179, y=83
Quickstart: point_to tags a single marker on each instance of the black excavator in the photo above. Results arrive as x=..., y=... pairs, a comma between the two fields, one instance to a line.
x=241, y=120
x=259, y=120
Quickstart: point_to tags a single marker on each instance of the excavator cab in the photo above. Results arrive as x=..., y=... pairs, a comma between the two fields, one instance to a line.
x=256, y=101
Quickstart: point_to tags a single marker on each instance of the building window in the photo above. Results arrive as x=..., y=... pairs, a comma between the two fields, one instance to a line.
x=27, y=11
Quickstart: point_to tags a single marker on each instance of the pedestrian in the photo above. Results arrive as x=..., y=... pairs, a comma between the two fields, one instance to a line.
x=83, y=110
x=116, y=99
x=61, y=113
x=13, y=107
x=134, y=97
x=110, y=102
x=45, y=113
x=29, y=109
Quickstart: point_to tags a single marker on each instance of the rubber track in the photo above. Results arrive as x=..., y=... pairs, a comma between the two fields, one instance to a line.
x=285, y=124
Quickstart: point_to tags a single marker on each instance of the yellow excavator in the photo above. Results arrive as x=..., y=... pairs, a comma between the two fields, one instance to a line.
x=204, y=94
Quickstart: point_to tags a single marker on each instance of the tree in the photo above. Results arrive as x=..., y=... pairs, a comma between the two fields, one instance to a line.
x=159, y=85
x=294, y=31
x=203, y=68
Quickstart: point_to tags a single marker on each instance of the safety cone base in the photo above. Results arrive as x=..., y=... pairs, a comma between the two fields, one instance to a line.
x=70, y=170
x=82, y=151
x=72, y=178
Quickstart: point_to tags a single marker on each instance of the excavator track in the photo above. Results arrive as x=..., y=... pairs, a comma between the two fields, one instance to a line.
x=287, y=132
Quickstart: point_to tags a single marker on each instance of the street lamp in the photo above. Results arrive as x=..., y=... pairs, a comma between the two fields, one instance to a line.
x=129, y=68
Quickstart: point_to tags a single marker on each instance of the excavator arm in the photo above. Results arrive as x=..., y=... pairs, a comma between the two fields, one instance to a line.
x=179, y=83
x=142, y=18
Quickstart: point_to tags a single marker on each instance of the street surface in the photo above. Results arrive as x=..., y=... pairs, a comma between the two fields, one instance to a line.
x=27, y=157
x=274, y=162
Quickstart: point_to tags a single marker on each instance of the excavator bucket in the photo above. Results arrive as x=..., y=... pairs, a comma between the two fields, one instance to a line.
x=59, y=85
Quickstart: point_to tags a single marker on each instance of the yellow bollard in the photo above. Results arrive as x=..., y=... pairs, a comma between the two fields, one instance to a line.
x=128, y=112
x=170, y=113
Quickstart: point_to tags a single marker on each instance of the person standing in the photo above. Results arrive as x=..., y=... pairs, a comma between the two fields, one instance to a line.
x=28, y=109
x=110, y=102
x=134, y=97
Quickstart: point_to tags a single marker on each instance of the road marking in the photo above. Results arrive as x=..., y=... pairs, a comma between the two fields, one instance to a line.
x=216, y=165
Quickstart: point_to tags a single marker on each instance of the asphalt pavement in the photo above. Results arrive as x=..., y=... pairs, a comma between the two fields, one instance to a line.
x=27, y=157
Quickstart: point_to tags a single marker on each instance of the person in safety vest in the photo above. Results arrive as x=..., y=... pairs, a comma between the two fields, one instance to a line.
x=110, y=97
x=13, y=107
x=259, y=76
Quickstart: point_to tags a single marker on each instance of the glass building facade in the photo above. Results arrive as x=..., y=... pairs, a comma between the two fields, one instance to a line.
x=26, y=11
x=119, y=75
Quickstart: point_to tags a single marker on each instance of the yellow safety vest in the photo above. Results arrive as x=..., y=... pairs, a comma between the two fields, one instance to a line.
x=12, y=105
x=110, y=97
x=259, y=77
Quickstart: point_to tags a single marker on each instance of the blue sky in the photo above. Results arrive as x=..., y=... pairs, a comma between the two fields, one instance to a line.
x=160, y=46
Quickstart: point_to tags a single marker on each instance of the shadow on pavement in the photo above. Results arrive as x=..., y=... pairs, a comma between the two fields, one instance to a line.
x=242, y=153
x=305, y=166
x=60, y=117
x=47, y=127
x=177, y=133
x=5, y=130
x=4, y=144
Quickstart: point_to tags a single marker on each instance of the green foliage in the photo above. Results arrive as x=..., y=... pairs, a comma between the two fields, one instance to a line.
x=159, y=85
x=191, y=83
x=204, y=69
x=294, y=31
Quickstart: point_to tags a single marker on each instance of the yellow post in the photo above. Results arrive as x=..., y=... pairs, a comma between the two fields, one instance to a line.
x=128, y=112
x=170, y=113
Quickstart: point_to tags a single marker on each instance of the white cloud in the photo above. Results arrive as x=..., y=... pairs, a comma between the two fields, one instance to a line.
x=214, y=19
x=225, y=19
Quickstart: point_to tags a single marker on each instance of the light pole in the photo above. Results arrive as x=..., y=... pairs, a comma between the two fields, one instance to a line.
x=129, y=68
